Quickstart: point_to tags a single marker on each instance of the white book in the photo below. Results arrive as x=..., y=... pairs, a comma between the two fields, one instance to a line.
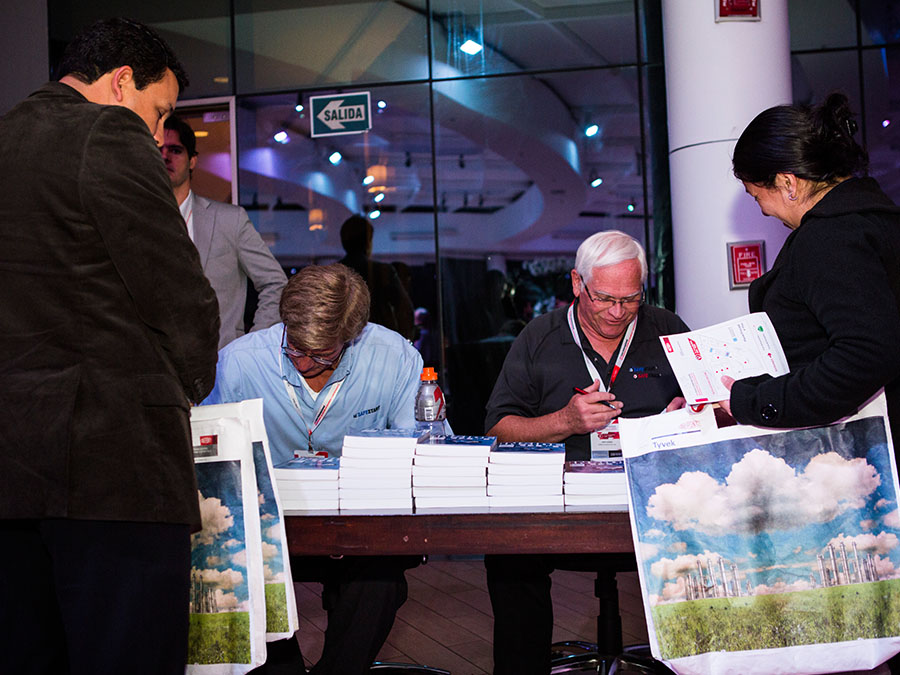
x=365, y=483
x=519, y=469
x=526, y=503
x=422, y=470
x=375, y=493
x=449, y=491
x=546, y=478
x=319, y=489
x=503, y=490
x=379, y=463
x=448, y=481
x=452, y=504
x=599, y=489
x=305, y=504
x=596, y=500
x=457, y=446
x=377, y=506
x=307, y=469
x=376, y=475
x=528, y=453
x=740, y=348
x=386, y=443
x=442, y=460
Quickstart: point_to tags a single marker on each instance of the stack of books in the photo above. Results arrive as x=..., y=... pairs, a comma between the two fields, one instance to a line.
x=308, y=483
x=376, y=470
x=526, y=476
x=596, y=485
x=449, y=473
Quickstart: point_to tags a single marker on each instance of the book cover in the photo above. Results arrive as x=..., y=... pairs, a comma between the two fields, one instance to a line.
x=319, y=488
x=526, y=502
x=364, y=483
x=598, y=489
x=598, y=500
x=521, y=469
x=379, y=438
x=452, y=504
x=477, y=446
x=307, y=468
x=375, y=475
x=307, y=503
x=375, y=493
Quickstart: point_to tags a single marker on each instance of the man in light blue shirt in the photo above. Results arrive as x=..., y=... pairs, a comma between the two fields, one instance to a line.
x=323, y=373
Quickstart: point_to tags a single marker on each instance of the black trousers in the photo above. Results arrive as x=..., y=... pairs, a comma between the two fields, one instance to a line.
x=519, y=586
x=361, y=595
x=93, y=597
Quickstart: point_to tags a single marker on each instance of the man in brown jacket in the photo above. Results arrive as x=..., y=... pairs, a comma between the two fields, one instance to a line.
x=109, y=331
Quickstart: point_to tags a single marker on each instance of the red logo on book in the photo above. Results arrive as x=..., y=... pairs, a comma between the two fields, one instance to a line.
x=208, y=440
x=668, y=345
x=695, y=349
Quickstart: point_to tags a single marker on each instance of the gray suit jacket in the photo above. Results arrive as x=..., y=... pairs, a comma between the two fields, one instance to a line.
x=231, y=251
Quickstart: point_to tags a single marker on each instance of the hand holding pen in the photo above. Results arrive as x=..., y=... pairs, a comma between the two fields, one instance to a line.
x=590, y=409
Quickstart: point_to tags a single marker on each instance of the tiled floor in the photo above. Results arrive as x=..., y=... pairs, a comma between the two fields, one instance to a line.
x=447, y=622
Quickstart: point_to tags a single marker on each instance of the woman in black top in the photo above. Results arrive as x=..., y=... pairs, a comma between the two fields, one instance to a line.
x=834, y=290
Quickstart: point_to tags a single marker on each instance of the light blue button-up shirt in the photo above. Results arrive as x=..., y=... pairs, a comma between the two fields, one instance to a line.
x=379, y=373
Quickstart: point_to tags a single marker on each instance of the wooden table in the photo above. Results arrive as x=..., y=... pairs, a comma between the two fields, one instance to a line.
x=480, y=533
x=460, y=533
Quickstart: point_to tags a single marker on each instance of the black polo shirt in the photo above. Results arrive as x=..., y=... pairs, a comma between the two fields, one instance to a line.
x=544, y=364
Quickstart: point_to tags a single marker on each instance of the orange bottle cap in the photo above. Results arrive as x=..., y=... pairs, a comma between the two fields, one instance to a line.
x=428, y=374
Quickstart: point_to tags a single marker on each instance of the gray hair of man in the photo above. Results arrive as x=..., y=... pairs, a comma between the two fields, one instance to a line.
x=323, y=306
x=610, y=247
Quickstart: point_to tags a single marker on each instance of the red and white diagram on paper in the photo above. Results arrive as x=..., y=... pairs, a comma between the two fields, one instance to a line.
x=743, y=347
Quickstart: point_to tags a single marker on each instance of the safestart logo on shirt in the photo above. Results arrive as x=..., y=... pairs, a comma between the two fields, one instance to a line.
x=362, y=413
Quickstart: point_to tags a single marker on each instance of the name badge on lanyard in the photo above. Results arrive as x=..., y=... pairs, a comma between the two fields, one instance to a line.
x=605, y=442
x=320, y=415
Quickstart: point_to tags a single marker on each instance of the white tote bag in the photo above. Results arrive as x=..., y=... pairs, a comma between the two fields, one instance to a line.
x=766, y=551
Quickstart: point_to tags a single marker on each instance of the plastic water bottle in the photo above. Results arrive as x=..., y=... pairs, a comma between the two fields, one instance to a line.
x=431, y=411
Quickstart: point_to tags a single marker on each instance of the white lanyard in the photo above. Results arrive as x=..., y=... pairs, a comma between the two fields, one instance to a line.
x=620, y=359
x=323, y=409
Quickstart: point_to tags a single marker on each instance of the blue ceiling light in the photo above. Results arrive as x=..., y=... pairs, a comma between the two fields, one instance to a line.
x=885, y=123
x=335, y=157
x=281, y=137
x=596, y=182
x=379, y=197
x=470, y=47
x=368, y=180
x=374, y=214
x=630, y=208
x=591, y=130
x=299, y=107
x=381, y=105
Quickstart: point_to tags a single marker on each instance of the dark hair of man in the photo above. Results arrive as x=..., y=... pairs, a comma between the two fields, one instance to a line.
x=814, y=143
x=112, y=43
x=356, y=233
x=185, y=133
x=323, y=306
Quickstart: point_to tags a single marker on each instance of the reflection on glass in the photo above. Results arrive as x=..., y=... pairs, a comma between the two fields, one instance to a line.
x=302, y=44
x=882, y=117
x=821, y=24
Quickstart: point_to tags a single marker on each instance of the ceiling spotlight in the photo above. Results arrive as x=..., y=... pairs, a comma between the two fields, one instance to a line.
x=630, y=208
x=335, y=158
x=470, y=47
x=374, y=214
x=368, y=180
x=379, y=197
x=299, y=107
x=281, y=137
x=885, y=123
x=594, y=179
x=591, y=130
x=381, y=105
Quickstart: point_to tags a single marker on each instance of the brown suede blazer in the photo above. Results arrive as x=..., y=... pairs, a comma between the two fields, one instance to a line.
x=107, y=325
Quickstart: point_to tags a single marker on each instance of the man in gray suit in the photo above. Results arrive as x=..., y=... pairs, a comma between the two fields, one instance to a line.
x=231, y=249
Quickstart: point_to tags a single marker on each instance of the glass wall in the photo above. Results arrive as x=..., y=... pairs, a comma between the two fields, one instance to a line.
x=503, y=133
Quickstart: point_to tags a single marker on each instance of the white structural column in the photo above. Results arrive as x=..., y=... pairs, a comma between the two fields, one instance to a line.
x=719, y=76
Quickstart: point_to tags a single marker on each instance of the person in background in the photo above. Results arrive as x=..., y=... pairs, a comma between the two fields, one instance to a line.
x=231, y=250
x=833, y=293
x=323, y=373
x=391, y=306
x=109, y=333
x=606, y=343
